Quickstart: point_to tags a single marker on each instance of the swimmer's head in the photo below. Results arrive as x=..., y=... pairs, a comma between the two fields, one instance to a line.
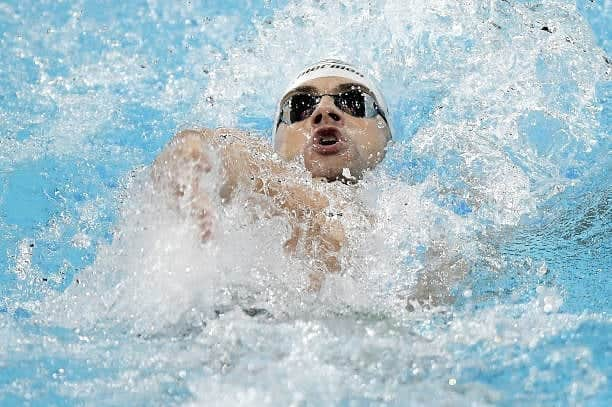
x=336, y=118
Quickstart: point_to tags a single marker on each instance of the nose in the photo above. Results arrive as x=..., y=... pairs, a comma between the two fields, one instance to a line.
x=327, y=113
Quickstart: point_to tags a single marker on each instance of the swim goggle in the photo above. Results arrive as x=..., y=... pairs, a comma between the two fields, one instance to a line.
x=356, y=101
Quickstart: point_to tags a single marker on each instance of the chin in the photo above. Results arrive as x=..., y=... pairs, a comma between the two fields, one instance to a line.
x=338, y=173
x=329, y=173
x=330, y=166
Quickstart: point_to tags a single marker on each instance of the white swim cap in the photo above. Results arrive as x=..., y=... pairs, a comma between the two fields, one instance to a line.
x=334, y=67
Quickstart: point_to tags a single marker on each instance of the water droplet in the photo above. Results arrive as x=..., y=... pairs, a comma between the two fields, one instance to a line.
x=543, y=269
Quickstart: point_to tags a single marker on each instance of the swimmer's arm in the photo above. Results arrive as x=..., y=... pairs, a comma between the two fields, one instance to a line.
x=178, y=167
x=252, y=163
x=249, y=162
x=177, y=172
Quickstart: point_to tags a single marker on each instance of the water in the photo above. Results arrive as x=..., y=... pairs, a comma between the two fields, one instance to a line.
x=494, y=199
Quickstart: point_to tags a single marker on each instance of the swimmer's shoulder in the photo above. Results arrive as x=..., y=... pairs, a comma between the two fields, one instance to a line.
x=192, y=143
x=218, y=136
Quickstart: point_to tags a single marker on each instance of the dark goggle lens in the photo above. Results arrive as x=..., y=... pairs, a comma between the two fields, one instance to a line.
x=351, y=102
x=301, y=106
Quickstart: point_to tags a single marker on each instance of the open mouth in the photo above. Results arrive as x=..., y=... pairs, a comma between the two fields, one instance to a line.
x=327, y=140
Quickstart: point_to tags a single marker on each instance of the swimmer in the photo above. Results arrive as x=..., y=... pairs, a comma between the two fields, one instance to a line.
x=332, y=120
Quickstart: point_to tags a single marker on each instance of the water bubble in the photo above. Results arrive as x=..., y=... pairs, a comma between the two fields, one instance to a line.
x=459, y=88
x=542, y=270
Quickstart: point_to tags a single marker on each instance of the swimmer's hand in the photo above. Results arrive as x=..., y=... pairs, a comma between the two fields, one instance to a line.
x=177, y=171
x=250, y=164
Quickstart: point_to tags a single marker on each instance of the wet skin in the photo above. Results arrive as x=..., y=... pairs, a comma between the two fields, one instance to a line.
x=361, y=141
x=330, y=141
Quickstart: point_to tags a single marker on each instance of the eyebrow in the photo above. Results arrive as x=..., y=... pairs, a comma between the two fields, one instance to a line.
x=349, y=86
x=299, y=89
x=305, y=89
x=340, y=88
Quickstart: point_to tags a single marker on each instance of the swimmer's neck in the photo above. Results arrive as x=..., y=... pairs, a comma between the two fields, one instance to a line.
x=341, y=179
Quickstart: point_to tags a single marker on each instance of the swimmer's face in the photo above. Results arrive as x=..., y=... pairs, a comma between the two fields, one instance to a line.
x=330, y=139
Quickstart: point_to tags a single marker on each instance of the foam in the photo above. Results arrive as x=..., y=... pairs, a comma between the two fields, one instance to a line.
x=468, y=80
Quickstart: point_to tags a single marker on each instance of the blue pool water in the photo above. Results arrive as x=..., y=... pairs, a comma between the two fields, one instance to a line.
x=500, y=163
